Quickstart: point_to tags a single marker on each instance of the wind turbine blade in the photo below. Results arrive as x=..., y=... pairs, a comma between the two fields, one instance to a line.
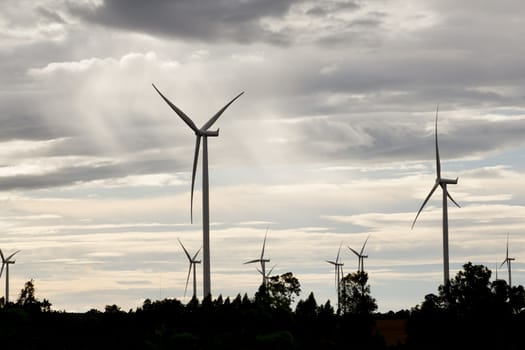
x=195, y=256
x=438, y=162
x=10, y=256
x=452, y=199
x=185, y=251
x=338, y=252
x=264, y=244
x=194, y=171
x=362, y=249
x=355, y=252
x=252, y=261
x=180, y=113
x=270, y=272
x=259, y=271
x=503, y=263
x=187, y=280
x=2, y=255
x=213, y=119
x=425, y=202
x=2, y=269
x=331, y=262
x=507, y=253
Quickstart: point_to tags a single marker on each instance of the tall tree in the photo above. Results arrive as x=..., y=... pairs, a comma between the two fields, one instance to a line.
x=280, y=291
x=355, y=294
x=28, y=300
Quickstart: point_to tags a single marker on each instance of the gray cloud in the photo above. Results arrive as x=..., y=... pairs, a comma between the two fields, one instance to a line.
x=71, y=175
x=395, y=138
x=50, y=15
x=225, y=20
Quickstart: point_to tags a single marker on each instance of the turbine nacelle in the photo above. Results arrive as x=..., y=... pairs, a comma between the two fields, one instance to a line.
x=211, y=133
x=448, y=181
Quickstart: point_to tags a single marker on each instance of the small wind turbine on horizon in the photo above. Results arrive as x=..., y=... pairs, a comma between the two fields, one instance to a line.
x=193, y=262
x=442, y=182
x=6, y=262
x=338, y=267
x=508, y=261
x=360, y=256
x=202, y=133
x=262, y=261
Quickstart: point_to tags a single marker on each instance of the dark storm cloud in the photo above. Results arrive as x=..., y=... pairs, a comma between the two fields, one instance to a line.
x=210, y=20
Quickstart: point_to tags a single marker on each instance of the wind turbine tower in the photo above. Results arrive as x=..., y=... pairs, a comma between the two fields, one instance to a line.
x=338, y=267
x=201, y=133
x=6, y=262
x=193, y=262
x=508, y=261
x=262, y=261
x=441, y=182
x=360, y=256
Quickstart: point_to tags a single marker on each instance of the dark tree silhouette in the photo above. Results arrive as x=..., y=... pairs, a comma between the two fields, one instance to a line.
x=469, y=312
x=279, y=291
x=28, y=300
x=355, y=294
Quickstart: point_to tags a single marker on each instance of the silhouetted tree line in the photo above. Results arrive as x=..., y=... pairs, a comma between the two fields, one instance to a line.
x=469, y=313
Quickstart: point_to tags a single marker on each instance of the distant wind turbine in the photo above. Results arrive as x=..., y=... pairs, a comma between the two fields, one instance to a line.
x=193, y=262
x=360, y=256
x=338, y=267
x=442, y=182
x=203, y=133
x=267, y=275
x=262, y=261
x=508, y=261
x=6, y=262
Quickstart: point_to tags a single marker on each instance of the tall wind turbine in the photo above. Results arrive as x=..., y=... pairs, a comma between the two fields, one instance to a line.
x=338, y=266
x=6, y=262
x=508, y=260
x=203, y=133
x=442, y=182
x=360, y=256
x=262, y=261
x=193, y=262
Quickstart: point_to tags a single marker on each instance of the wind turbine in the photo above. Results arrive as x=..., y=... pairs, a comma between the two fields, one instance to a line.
x=442, y=182
x=360, y=256
x=193, y=262
x=203, y=133
x=267, y=275
x=508, y=260
x=6, y=262
x=262, y=261
x=338, y=266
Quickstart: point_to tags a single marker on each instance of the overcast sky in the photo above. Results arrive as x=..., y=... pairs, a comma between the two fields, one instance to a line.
x=332, y=142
